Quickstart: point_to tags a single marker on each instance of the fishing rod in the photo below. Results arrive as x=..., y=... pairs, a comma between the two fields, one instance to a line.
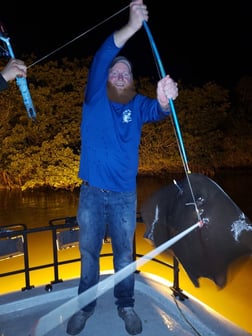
x=174, y=119
x=173, y=114
x=21, y=81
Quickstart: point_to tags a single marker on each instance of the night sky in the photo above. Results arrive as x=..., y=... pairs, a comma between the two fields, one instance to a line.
x=197, y=43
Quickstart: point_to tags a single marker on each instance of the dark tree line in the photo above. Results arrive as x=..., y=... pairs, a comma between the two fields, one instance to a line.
x=215, y=126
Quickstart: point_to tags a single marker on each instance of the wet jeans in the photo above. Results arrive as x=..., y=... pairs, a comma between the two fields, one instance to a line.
x=97, y=210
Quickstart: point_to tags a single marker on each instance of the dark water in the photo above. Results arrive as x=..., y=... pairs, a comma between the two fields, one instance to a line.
x=36, y=208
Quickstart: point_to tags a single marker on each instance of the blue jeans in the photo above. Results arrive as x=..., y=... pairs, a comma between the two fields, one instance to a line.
x=99, y=209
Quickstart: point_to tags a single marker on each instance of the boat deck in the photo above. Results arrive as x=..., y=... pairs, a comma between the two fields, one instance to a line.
x=162, y=313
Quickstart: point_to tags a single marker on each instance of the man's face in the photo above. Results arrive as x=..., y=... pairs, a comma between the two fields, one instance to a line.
x=120, y=76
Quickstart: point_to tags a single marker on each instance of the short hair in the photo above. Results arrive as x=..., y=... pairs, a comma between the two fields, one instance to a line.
x=121, y=59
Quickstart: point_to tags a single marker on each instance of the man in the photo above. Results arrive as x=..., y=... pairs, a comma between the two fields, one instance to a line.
x=113, y=116
x=14, y=68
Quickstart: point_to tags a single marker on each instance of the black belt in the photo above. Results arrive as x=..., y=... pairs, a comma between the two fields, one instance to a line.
x=86, y=183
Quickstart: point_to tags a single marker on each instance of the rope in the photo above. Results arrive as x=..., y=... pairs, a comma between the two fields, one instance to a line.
x=77, y=37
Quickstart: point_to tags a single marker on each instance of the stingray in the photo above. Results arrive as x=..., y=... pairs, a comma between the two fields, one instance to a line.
x=225, y=233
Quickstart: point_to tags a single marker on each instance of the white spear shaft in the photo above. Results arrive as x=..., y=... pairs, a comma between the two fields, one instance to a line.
x=57, y=316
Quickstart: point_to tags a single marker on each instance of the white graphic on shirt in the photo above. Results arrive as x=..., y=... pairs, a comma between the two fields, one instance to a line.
x=127, y=116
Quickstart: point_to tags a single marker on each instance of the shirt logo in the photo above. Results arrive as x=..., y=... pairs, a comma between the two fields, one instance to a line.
x=127, y=116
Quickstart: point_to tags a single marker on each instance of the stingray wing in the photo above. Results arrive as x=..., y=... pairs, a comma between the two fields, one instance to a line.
x=208, y=250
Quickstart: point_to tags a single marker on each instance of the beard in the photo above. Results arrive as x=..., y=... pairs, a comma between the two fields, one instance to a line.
x=121, y=96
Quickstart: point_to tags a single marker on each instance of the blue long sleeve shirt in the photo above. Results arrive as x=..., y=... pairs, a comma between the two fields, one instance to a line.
x=110, y=131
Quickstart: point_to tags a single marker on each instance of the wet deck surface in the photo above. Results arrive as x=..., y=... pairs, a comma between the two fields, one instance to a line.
x=161, y=313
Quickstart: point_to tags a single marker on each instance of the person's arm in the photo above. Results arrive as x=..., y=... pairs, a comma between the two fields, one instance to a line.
x=166, y=88
x=138, y=14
